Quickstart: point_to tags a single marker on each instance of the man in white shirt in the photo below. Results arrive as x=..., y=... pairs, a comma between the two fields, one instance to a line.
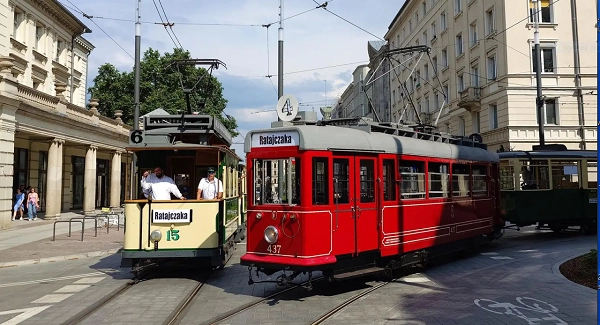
x=158, y=186
x=210, y=188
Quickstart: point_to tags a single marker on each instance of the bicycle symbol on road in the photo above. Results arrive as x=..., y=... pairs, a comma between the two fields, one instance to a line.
x=530, y=306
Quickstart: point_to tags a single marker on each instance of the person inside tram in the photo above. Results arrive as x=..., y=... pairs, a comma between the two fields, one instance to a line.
x=210, y=187
x=158, y=186
x=529, y=182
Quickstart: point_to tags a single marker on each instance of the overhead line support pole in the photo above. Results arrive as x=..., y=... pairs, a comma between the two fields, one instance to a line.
x=538, y=72
x=136, y=96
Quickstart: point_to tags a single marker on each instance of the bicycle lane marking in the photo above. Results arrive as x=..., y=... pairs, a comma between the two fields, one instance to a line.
x=510, y=309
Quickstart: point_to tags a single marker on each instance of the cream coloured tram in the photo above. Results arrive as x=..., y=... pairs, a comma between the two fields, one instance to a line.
x=191, y=230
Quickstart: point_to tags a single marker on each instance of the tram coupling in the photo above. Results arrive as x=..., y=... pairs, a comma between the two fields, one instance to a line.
x=283, y=279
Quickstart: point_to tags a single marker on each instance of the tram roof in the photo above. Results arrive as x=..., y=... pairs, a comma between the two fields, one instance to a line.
x=563, y=154
x=185, y=146
x=336, y=138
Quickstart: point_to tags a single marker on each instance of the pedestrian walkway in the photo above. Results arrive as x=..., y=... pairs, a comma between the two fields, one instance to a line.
x=30, y=242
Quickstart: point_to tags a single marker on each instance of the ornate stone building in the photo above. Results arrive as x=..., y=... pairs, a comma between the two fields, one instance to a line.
x=482, y=52
x=49, y=140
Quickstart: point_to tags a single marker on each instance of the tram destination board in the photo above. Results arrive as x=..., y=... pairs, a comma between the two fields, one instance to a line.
x=139, y=138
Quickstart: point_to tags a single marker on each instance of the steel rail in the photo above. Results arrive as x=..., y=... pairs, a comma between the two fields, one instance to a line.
x=250, y=305
x=346, y=303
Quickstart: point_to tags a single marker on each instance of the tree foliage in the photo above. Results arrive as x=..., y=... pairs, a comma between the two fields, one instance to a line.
x=161, y=86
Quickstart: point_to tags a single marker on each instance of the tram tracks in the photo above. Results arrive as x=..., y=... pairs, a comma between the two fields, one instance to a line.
x=85, y=313
x=248, y=306
x=334, y=311
x=123, y=292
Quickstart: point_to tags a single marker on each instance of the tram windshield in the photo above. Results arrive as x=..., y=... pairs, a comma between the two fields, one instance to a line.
x=277, y=181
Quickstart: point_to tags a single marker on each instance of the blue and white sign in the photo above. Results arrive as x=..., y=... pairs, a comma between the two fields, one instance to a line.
x=172, y=216
x=275, y=139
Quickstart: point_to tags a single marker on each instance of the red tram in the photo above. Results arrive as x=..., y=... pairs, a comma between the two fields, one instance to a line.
x=352, y=197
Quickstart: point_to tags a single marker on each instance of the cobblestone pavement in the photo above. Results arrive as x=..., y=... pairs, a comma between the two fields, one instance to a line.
x=63, y=245
x=51, y=293
x=229, y=289
x=517, y=274
x=513, y=281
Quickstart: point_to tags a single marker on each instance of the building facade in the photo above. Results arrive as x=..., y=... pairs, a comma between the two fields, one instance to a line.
x=71, y=155
x=377, y=83
x=354, y=102
x=482, y=53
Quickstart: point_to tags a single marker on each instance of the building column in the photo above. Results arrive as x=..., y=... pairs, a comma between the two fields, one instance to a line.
x=7, y=152
x=54, y=180
x=115, y=180
x=89, y=181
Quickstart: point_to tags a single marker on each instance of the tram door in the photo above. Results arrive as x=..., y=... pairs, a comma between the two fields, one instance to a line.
x=355, y=198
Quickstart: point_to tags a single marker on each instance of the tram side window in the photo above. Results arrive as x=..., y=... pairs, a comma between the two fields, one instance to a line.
x=535, y=175
x=412, y=179
x=507, y=176
x=479, y=180
x=439, y=180
x=461, y=186
x=389, y=180
x=367, y=181
x=565, y=175
x=270, y=187
x=320, y=181
x=341, y=176
x=592, y=171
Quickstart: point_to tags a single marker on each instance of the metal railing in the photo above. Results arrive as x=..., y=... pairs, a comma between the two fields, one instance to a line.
x=108, y=214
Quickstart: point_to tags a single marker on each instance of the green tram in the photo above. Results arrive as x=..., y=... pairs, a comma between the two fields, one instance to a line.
x=203, y=231
x=554, y=188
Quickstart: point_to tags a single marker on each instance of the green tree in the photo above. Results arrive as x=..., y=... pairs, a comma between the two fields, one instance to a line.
x=161, y=86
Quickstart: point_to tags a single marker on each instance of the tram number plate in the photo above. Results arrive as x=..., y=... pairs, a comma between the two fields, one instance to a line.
x=274, y=249
x=173, y=235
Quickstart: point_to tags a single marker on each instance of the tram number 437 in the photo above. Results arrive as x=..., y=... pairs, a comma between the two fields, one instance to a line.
x=274, y=249
x=173, y=235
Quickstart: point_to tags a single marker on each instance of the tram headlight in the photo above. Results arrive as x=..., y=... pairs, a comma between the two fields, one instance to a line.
x=271, y=234
x=155, y=236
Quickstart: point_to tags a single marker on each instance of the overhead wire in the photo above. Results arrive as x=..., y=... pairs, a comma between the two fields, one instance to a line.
x=324, y=6
x=165, y=25
x=81, y=12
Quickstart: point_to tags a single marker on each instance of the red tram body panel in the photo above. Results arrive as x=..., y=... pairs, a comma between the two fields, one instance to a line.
x=336, y=198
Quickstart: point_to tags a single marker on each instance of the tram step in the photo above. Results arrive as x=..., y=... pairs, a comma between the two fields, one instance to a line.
x=356, y=273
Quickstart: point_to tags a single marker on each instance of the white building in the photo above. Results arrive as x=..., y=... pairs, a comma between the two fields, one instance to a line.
x=482, y=53
x=72, y=155
x=354, y=101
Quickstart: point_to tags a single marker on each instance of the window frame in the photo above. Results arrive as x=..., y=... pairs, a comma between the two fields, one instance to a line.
x=543, y=48
x=492, y=69
x=490, y=22
x=389, y=182
x=458, y=40
x=545, y=111
x=411, y=195
x=540, y=14
x=325, y=181
x=469, y=188
x=444, y=194
x=493, y=119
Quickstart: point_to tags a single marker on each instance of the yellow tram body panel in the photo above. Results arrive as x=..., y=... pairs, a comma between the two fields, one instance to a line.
x=199, y=233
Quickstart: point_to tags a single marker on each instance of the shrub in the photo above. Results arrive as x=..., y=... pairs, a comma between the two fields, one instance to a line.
x=591, y=257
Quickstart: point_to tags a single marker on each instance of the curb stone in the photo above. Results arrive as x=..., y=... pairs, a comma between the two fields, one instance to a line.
x=558, y=274
x=60, y=258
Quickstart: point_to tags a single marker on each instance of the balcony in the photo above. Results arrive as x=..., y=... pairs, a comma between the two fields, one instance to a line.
x=470, y=99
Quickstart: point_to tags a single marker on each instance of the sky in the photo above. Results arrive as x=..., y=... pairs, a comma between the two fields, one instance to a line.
x=312, y=41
